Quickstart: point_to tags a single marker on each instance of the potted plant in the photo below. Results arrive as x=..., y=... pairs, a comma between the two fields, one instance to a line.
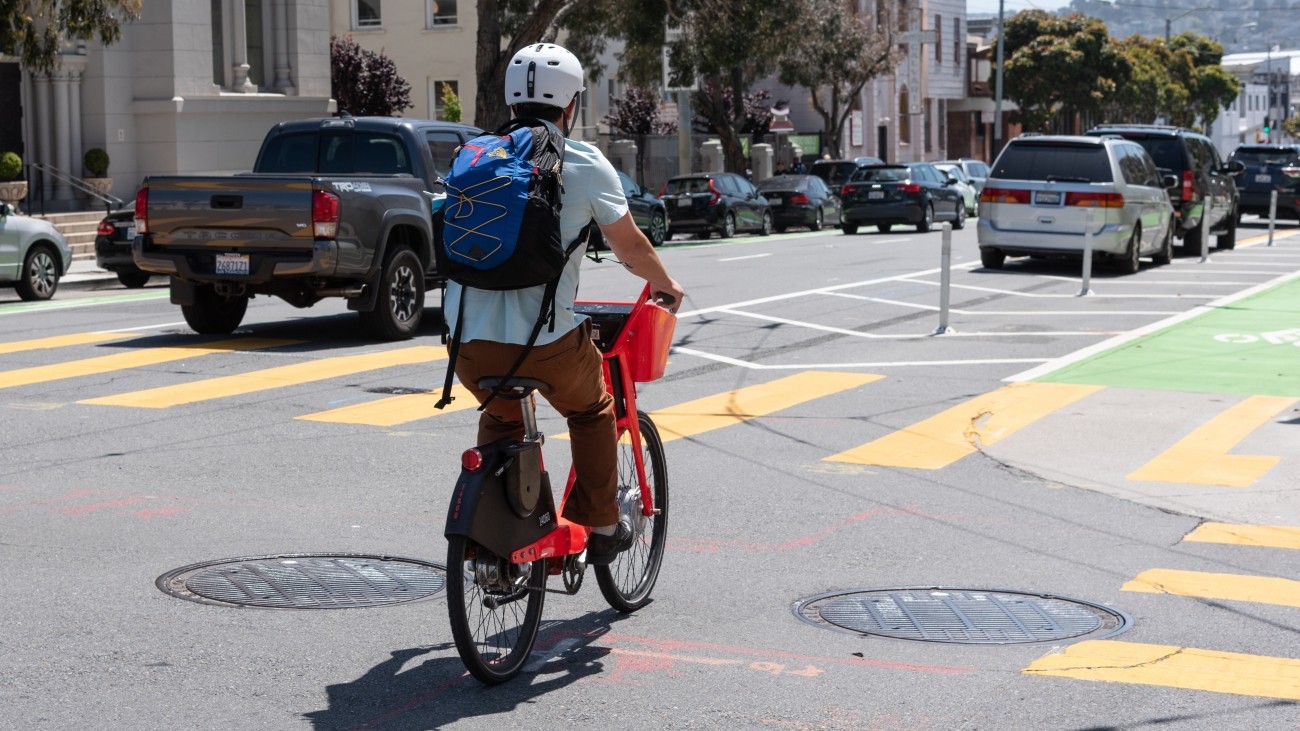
x=96, y=163
x=12, y=189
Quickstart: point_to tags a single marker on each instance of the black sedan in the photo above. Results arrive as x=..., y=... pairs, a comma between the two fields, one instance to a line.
x=113, y=247
x=913, y=193
x=647, y=212
x=800, y=200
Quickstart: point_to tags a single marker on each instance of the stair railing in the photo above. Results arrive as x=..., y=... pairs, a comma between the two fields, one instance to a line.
x=36, y=188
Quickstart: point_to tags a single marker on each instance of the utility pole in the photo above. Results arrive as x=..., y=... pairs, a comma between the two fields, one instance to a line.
x=997, y=91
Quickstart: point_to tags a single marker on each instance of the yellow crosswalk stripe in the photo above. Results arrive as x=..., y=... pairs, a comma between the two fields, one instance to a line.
x=1174, y=667
x=59, y=341
x=742, y=404
x=396, y=410
x=945, y=438
x=270, y=378
x=134, y=359
x=1201, y=458
x=1207, y=585
x=1267, y=536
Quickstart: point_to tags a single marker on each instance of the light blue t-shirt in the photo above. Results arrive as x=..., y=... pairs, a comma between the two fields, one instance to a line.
x=591, y=191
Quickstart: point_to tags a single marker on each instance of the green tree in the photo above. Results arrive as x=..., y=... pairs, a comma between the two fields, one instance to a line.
x=1150, y=92
x=364, y=82
x=450, y=103
x=1060, y=67
x=847, y=51
x=35, y=29
x=1209, y=87
x=1291, y=126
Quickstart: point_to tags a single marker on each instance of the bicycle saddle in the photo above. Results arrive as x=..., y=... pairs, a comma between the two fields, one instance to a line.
x=515, y=388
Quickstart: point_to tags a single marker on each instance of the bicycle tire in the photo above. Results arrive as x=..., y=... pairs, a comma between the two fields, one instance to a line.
x=493, y=642
x=626, y=583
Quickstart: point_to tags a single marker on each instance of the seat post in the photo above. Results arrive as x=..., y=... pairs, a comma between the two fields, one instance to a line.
x=528, y=405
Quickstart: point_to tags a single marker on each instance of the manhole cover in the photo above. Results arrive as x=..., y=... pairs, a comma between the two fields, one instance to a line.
x=306, y=581
x=962, y=616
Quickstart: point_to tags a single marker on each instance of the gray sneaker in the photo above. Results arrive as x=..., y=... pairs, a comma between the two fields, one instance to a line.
x=601, y=550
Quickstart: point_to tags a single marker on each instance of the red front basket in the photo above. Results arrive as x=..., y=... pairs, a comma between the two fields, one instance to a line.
x=645, y=341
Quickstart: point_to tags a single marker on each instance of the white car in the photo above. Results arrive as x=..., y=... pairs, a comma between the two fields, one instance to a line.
x=33, y=254
x=969, y=195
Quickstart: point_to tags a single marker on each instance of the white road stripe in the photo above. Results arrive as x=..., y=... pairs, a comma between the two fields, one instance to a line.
x=823, y=366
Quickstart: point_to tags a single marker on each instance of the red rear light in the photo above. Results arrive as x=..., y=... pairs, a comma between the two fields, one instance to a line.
x=663, y=189
x=324, y=214
x=911, y=188
x=105, y=228
x=1004, y=195
x=848, y=188
x=1095, y=200
x=1291, y=172
x=1189, y=185
x=471, y=459
x=799, y=198
x=142, y=211
x=715, y=195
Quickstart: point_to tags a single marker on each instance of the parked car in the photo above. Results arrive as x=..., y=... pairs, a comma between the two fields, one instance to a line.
x=1207, y=194
x=706, y=202
x=969, y=195
x=914, y=193
x=647, y=212
x=837, y=172
x=1268, y=168
x=1045, y=193
x=800, y=200
x=113, y=247
x=34, y=256
x=975, y=170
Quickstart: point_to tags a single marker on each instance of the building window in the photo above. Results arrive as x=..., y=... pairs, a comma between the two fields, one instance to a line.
x=366, y=14
x=442, y=12
x=938, y=38
x=437, y=89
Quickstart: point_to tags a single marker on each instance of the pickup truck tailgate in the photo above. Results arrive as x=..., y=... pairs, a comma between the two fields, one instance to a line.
x=247, y=212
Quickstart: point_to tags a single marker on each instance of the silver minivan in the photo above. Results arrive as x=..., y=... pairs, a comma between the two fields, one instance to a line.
x=1045, y=192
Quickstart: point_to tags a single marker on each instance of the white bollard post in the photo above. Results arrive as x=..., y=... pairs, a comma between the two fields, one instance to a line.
x=945, y=279
x=1084, y=291
x=1272, y=214
x=1205, y=238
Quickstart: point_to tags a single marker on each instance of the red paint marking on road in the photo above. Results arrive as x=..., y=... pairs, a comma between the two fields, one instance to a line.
x=164, y=512
x=9, y=487
x=41, y=503
x=95, y=507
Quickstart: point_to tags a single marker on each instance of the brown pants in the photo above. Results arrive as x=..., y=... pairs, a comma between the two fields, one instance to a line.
x=572, y=368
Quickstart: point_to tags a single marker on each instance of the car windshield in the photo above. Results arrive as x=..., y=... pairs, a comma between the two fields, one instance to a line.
x=1265, y=157
x=1078, y=163
x=678, y=186
x=881, y=175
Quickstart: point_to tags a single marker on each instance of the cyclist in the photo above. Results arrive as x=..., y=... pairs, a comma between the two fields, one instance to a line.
x=544, y=81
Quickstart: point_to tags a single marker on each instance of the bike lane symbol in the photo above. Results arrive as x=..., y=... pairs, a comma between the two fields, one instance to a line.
x=1277, y=337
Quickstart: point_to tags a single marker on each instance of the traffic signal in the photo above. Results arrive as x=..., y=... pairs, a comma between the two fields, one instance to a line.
x=1268, y=126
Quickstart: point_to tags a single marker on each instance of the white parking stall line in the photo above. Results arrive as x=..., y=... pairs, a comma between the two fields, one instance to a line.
x=825, y=366
x=740, y=258
x=1254, y=273
x=1013, y=313
x=1036, y=295
x=921, y=336
x=1261, y=264
x=1144, y=282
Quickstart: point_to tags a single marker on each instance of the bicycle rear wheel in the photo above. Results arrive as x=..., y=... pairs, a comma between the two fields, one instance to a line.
x=495, y=609
x=626, y=583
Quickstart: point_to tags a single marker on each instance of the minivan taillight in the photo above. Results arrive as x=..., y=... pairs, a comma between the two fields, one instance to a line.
x=1004, y=195
x=324, y=215
x=1189, y=185
x=715, y=196
x=142, y=211
x=1095, y=200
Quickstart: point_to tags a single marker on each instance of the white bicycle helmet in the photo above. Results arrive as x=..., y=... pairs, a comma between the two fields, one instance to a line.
x=543, y=73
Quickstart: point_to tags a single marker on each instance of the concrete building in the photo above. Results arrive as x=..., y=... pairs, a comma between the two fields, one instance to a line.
x=1270, y=82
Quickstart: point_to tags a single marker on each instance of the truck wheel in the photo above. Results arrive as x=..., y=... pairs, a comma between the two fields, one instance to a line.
x=1228, y=239
x=212, y=314
x=400, y=305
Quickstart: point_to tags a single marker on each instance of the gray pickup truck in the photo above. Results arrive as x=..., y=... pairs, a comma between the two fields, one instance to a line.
x=337, y=207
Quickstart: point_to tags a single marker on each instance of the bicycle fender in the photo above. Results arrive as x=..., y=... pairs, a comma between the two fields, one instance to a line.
x=481, y=510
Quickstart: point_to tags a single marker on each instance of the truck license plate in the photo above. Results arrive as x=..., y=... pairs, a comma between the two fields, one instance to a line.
x=232, y=263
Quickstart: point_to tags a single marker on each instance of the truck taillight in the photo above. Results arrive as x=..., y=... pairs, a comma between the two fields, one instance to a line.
x=1189, y=185
x=142, y=211
x=324, y=215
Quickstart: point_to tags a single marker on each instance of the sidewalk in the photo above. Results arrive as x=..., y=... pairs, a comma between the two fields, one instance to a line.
x=84, y=274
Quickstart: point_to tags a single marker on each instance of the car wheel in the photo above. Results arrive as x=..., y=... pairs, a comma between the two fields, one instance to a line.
x=40, y=274
x=992, y=258
x=818, y=220
x=728, y=226
x=849, y=228
x=133, y=279
x=1228, y=239
x=400, y=305
x=658, y=228
x=884, y=228
x=212, y=314
x=1129, y=264
x=927, y=219
x=766, y=230
x=960, y=223
x=1166, y=253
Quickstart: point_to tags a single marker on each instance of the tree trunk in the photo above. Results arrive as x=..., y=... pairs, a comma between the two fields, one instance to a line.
x=490, y=110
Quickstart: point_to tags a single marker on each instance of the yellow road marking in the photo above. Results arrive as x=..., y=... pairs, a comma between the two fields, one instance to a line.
x=742, y=404
x=1174, y=667
x=1268, y=536
x=1233, y=587
x=264, y=380
x=134, y=359
x=396, y=410
x=945, y=438
x=59, y=341
x=1201, y=458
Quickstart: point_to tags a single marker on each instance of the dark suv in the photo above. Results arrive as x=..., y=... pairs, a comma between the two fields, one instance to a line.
x=1206, y=195
x=1269, y=168
x=706, y=202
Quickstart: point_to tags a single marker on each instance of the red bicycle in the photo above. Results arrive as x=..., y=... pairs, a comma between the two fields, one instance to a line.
x=504, y=534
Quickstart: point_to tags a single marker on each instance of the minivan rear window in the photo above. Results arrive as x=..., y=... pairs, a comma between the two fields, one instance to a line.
x=1040, y=161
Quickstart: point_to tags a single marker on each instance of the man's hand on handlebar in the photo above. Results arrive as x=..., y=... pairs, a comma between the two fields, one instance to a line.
x=670, y=297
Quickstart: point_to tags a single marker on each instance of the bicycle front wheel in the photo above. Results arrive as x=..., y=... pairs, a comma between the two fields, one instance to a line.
x=626, y=583
x=495, y=608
